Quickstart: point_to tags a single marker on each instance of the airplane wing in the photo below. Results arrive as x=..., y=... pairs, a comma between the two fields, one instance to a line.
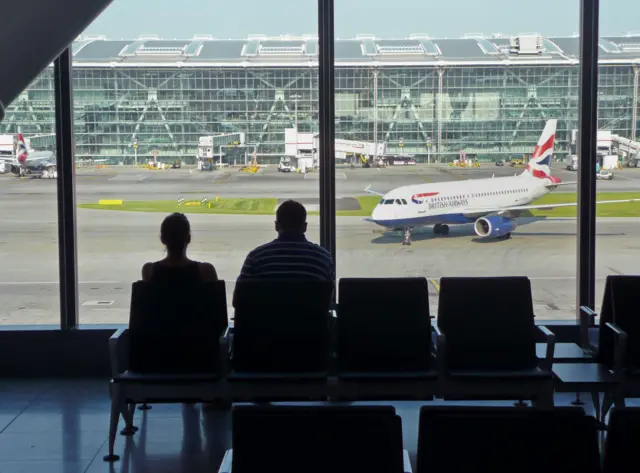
x=568, y=183
x=499, y=210
x=368, y=189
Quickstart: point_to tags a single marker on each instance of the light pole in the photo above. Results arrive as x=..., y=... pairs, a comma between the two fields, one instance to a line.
x=135, y=151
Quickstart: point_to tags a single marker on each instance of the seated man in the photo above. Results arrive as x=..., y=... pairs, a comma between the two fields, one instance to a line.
x=291, y=255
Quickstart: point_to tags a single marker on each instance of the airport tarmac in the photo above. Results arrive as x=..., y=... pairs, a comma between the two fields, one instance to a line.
x=112, y=246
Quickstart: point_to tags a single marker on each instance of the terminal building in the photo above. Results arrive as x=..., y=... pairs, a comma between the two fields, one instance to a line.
x=487, y=96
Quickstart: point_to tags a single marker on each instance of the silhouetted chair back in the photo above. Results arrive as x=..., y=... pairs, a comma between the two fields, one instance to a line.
x=488, y=323
x=506, y=440
x=176, y=329
x=292, y=439
x=281, y=326
x=623, y=438
x=384, y=325
x=620, y=306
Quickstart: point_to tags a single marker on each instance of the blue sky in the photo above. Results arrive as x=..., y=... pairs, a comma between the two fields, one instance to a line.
x=384, y=18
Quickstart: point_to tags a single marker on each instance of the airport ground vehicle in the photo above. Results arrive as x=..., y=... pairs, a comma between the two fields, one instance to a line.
x=284, y=165
x=604, y=174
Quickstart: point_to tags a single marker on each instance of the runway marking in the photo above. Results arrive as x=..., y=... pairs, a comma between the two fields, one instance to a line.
x=435, y=284
x=630, y=178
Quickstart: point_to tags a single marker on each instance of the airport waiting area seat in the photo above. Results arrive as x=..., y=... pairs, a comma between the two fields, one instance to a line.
x=506, y=439
x=384, y=340
x=171, y=351
x=487, y=341
x=611, y=368
x=291, y=439
x=279, y=348
x=620, y=452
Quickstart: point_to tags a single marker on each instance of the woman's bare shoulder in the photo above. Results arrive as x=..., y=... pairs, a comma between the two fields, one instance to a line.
x=208, y=272
x=147, y=271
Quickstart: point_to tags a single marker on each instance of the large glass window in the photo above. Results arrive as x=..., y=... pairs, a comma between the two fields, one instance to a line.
x=29, y=290
x=618, y=147
x=199, y=125
x=449, y=123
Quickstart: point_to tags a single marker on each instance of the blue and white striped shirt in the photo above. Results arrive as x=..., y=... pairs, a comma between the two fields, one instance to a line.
x=288, y=257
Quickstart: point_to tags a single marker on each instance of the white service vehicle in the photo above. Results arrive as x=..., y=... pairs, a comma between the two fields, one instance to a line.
x=284, y=165
x=604, y=174
x=572, y=162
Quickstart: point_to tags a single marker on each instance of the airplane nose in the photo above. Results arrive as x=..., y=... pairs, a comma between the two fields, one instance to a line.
x=375, y=215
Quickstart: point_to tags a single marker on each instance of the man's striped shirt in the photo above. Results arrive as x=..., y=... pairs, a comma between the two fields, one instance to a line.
x=288, y=257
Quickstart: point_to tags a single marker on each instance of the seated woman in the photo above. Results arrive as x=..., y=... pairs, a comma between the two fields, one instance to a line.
x=175, y=235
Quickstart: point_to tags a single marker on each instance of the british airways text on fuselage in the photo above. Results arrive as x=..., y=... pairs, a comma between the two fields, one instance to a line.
x=447, y=204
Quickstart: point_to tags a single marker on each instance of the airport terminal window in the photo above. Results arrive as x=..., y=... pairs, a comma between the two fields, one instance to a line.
x=29, y=289
x=618, y=151
x=466, y=117
x=210, y=134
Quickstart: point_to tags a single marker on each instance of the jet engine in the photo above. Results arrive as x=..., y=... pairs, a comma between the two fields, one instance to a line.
x=494, y=226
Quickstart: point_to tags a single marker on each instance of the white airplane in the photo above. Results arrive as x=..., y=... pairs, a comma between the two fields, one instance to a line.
x=492, y=204
x=36, y=163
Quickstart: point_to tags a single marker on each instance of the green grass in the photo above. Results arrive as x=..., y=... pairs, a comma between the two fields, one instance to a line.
x=266, y=206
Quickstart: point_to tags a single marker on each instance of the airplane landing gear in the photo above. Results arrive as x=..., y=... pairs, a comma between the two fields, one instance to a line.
x=440, y=229
x=506, y=236
x=407, y=236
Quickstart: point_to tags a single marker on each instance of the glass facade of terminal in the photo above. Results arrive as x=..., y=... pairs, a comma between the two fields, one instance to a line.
x=490, y=111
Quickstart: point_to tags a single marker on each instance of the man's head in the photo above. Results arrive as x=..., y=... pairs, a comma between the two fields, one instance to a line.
x=291, y=217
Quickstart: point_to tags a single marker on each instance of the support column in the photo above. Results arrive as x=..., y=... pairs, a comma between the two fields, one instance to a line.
x=375, y=114
x=634, y=112
x=65, y=162
x=439, y=118
x=587, y=144
x=327, y=160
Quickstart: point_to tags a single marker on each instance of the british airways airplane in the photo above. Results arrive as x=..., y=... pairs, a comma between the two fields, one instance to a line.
x=492, y=205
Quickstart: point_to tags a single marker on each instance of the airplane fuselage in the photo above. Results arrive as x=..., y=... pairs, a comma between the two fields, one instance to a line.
x=456, y=202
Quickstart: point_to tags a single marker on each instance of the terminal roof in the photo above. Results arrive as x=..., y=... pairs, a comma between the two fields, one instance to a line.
x=364, y=50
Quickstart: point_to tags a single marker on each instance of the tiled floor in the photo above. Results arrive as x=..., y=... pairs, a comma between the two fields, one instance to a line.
x=61, y=426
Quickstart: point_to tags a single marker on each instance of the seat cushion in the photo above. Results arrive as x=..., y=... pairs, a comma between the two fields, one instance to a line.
x=505, y=375
x=138, y=378
x=266, y=377
x=388, y=376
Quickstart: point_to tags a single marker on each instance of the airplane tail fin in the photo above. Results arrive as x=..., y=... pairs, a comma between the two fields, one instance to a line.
x=540, y=163
x=21, y=150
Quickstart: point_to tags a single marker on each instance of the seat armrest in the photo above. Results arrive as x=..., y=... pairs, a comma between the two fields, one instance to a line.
x=587, y=320
x=225, y=465
x=550, y=340
x=118, y=350
x=441, y=350
x=406, y=462
x=226, y=347
x=621, y=338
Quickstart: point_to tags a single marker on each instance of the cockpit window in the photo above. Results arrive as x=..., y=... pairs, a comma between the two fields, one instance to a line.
x=388, y=202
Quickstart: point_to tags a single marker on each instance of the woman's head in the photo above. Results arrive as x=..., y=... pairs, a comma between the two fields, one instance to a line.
x=175, y=233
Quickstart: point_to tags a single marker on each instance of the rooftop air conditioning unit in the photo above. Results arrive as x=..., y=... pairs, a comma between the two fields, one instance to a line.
x=365, y=36
x=526, y=44
x=202, y=37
